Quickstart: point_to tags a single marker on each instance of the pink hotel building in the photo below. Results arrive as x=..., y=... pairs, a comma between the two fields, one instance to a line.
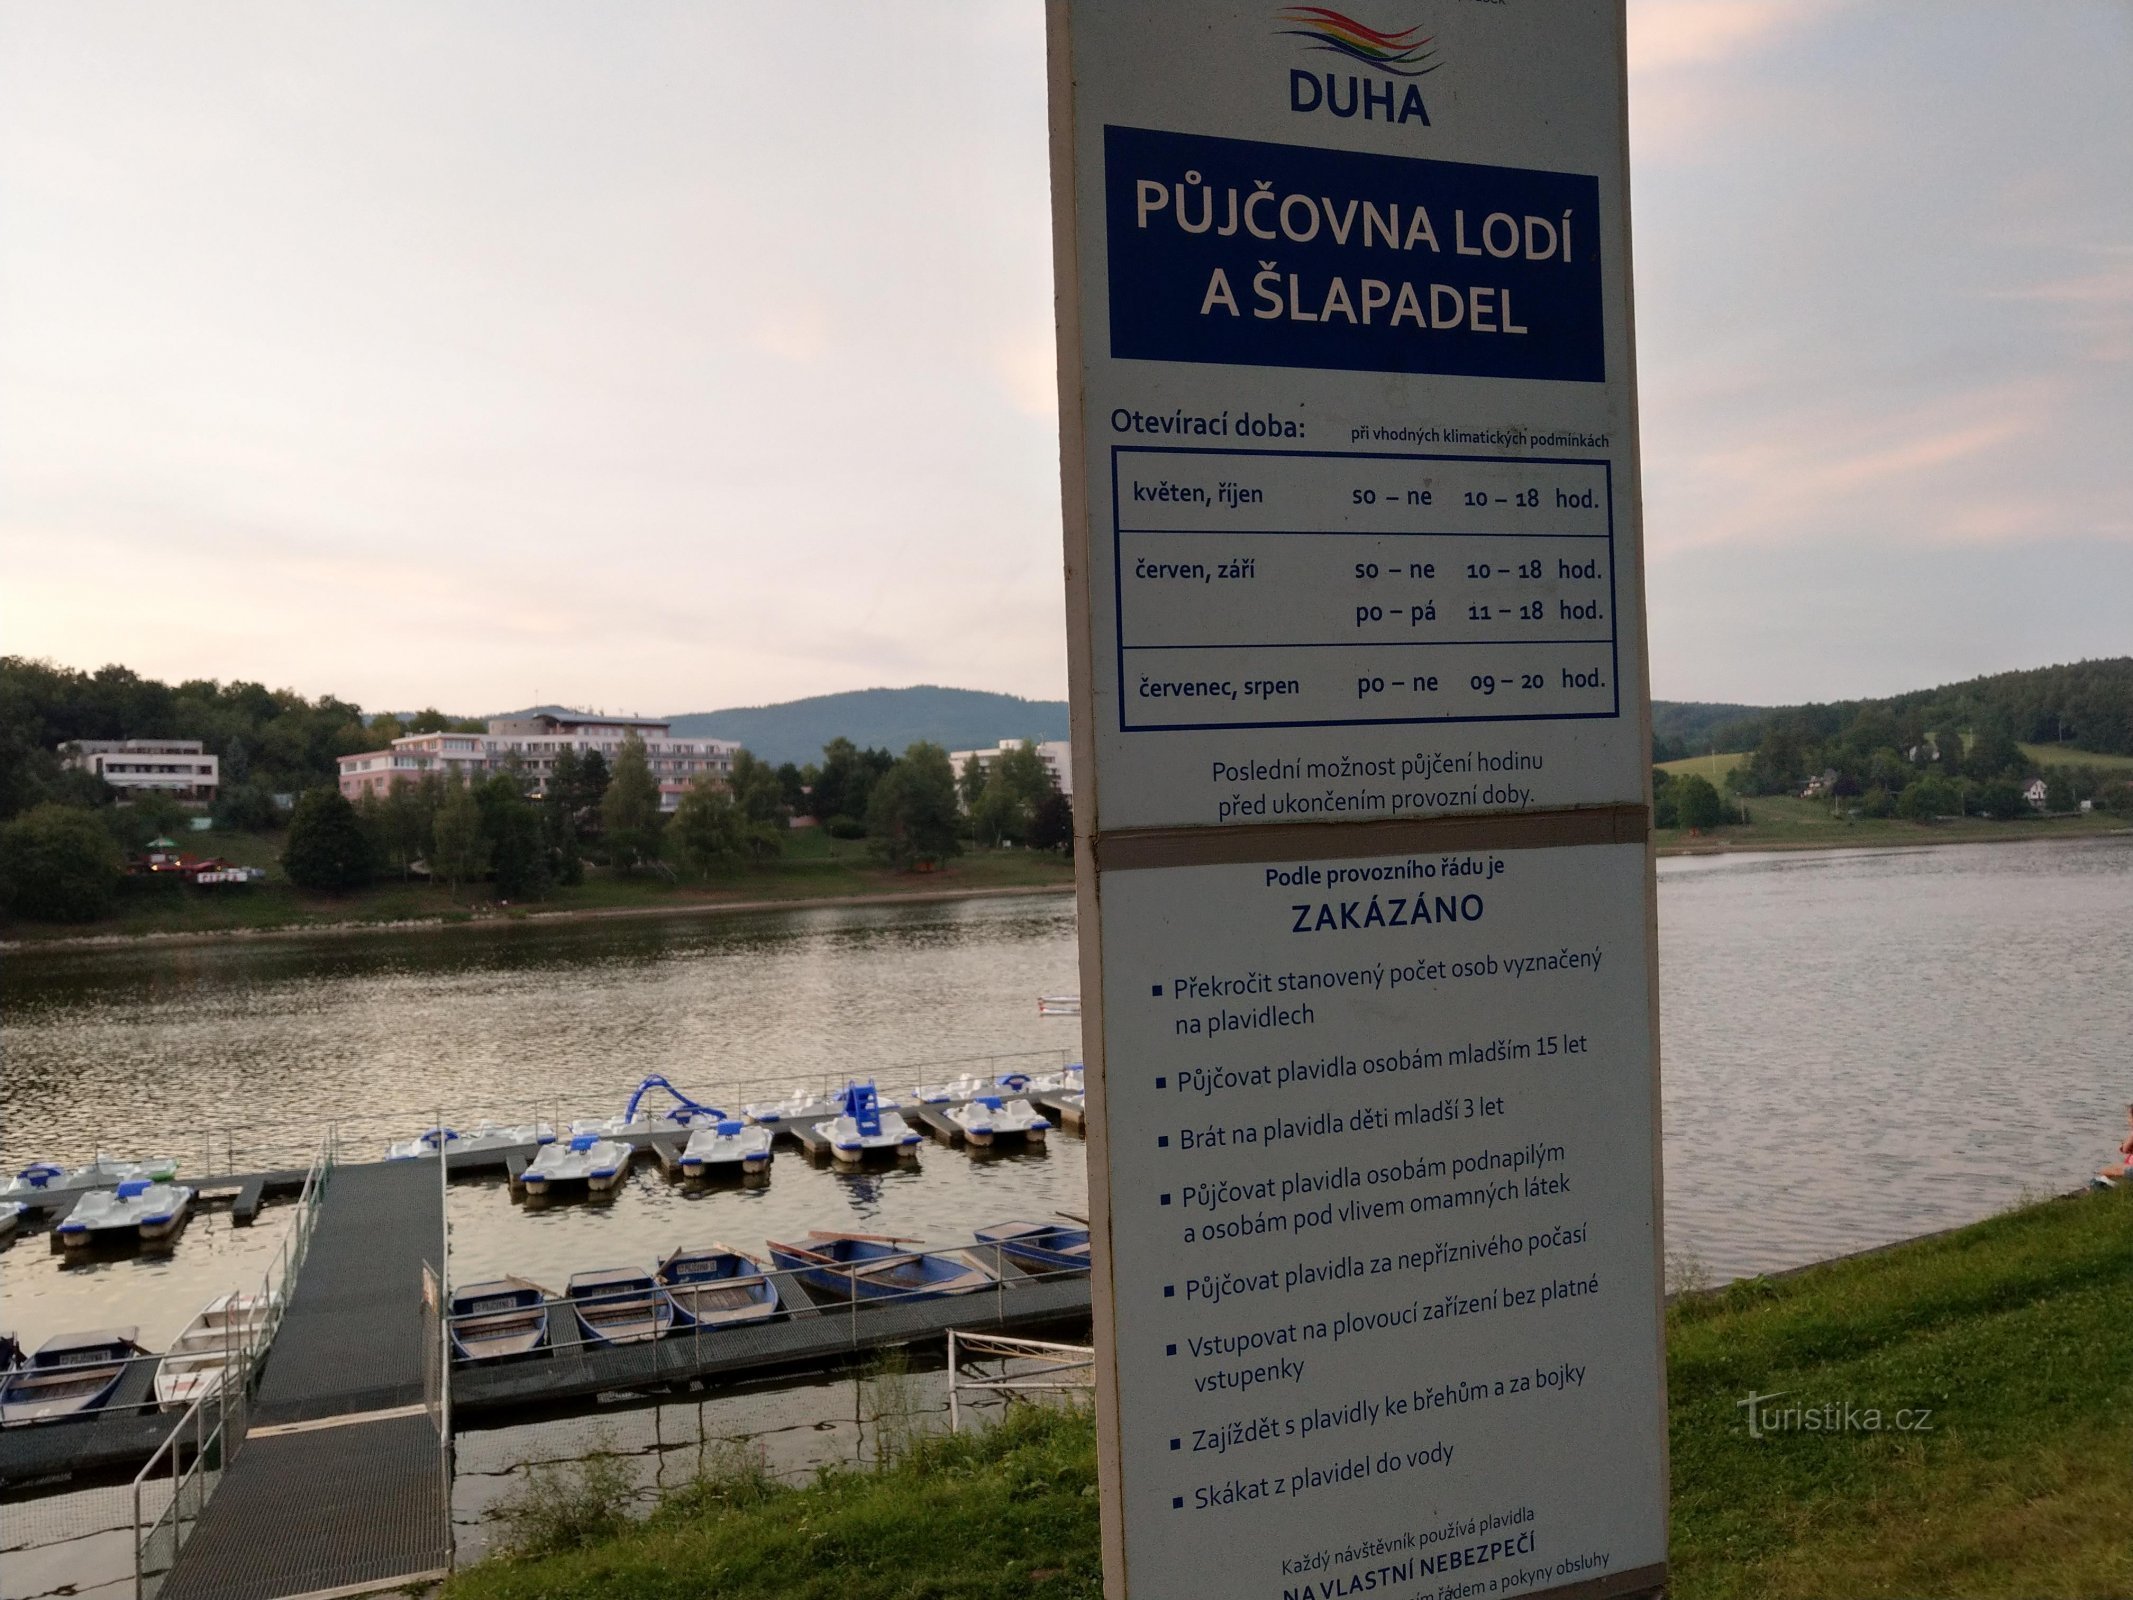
x=530, y=744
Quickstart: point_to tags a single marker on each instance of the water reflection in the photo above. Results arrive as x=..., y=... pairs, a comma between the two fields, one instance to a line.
x=1858, y=1046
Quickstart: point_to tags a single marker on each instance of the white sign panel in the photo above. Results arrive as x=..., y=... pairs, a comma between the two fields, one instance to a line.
x=1380, y=1145
x=1356, y=460
x=1348, y=427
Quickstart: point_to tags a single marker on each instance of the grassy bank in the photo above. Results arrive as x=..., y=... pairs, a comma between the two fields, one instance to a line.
x=813, y=867
x=2012, y=1335
x=1786, y=822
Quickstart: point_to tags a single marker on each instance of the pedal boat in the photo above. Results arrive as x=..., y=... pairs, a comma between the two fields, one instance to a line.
x=637, y=1119
x=865, y=1129
x=485, y=1136
x=726, y=1148
x=136, y=1209
x=49, y=1177
x=989, y=1119
x=598, y=1164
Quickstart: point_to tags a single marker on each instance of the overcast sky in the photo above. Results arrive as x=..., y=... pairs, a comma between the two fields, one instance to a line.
x=657, y=357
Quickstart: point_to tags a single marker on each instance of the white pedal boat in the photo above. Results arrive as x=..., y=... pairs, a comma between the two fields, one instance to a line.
x=1067, y=1080
x=598, y=1164
x=806, y=1105
x=989, y=1118
x=636, y=1119
x=726, y=1148
x=865, y=1129
x=213, y=1342
x=483, y=1136
x=47, y=1177
x=968, y=1087
x=136, y=1209
x=10, y=1214
x=802, y=1105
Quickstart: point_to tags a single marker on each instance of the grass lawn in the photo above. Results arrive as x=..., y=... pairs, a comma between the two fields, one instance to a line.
x=2060, y=755
x=813, y=867
x=1786, y=822
x=1712, y=769
x=2012, y=1334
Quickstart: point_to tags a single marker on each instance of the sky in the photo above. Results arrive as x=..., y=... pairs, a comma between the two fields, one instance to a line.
x=488, y=354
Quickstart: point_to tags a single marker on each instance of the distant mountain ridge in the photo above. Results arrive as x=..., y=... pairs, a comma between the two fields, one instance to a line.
x=888, y=719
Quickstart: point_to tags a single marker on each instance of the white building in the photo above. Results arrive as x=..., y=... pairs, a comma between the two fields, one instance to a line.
x=530, y=745
x=1056, y=754
x=180, y=767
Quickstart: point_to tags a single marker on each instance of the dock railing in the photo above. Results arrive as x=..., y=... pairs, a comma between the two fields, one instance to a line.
x=1040, y=1365
x=188, y=1465
x=685, y=1351
x=283, y=1144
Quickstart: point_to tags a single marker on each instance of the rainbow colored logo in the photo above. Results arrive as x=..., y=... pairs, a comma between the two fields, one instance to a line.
x=1402, y=53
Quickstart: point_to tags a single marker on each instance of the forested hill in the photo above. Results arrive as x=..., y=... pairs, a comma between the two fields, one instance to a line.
x=1685, y=727
x=884, y=719
x=2086, y=704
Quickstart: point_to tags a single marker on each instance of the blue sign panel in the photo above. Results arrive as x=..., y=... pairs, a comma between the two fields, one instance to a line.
x=1243, y=253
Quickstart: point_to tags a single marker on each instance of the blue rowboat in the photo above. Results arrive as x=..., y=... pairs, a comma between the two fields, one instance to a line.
x=71, y=1375
x=861, y=1266
x=619, y=1305
x=717, y=1286
x=503, y=1317
x=1040, y=1246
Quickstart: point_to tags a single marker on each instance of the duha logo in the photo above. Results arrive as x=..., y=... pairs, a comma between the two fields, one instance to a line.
x=1377, y=95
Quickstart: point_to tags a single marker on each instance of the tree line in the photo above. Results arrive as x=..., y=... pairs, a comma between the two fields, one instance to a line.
x=269, y=741
x=2084, y=704
x=529, y=840
x=65, y=842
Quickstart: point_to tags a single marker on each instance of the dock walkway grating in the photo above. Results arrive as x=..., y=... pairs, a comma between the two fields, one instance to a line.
x=302, y=1512
x=323, y=1508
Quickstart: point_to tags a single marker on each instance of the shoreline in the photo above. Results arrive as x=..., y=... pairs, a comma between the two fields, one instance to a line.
x=520, y=919
x=1718, y=846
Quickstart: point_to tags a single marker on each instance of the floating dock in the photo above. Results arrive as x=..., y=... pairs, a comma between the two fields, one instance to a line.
x=816, y=1334
x=341, y=1478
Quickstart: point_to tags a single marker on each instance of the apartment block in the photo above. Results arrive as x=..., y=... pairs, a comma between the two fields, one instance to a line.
x=179, y=767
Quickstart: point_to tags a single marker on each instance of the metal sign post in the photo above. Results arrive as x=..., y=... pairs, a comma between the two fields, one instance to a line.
x=1361, y=732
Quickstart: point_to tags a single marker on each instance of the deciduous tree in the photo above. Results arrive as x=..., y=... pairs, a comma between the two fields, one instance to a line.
x=58, y=864
x=707, y=833
x=912, y=815
x=459, y=853
x=629, y=812
x=326, y=851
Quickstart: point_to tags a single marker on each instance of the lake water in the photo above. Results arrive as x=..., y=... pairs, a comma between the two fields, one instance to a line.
x=1858, y=1047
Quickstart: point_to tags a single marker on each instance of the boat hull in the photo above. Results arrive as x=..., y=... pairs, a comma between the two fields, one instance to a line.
x=59, y=1402
x=907, y=1275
